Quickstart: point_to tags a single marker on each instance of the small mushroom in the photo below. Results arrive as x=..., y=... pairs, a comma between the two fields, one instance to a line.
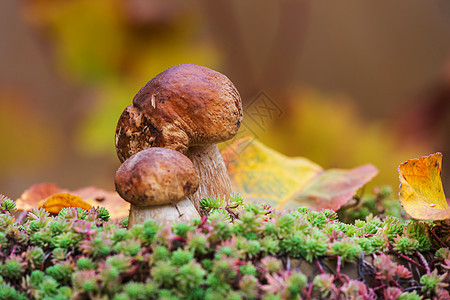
x=156, y=182
x=188, y=108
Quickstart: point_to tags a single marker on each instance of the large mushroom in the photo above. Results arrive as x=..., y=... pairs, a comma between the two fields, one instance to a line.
x=156, y=182
x=188, y=108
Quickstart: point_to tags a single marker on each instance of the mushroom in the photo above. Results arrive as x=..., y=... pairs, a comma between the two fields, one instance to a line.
x=156, y=182
x=188, y=108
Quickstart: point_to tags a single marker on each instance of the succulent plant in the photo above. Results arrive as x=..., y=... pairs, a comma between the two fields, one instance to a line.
x=254, y=252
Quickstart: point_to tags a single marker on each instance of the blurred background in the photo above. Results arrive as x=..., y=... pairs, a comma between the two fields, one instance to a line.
x=347, y=84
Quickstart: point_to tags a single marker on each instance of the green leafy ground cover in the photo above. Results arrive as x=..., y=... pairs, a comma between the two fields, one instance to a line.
x=236, y=252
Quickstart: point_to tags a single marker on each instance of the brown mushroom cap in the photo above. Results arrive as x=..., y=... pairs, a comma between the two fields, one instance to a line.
x=156, y=176
x=186, y=105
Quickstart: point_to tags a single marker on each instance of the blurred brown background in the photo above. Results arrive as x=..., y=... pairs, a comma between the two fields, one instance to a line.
x=356, y=82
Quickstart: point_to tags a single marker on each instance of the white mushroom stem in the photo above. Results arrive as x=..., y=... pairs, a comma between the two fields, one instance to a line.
x=213, y=174
x=163, y=214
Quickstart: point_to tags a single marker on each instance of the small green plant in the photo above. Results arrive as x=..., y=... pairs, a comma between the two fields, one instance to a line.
x=254, y=252
x=218, y=205
x=382, y=201
x=433, y=285
x=6, y=204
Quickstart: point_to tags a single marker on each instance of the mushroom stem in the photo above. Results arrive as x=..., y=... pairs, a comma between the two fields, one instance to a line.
x=163, y=214
x=212, y=172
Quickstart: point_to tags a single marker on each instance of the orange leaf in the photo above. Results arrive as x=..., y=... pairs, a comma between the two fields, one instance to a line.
x=56, y=202
x=261, y=174
x=116, y=206
x=421, y=192
x=36, y=193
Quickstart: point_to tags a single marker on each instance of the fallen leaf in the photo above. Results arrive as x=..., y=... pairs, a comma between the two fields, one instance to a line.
x=56, y=202
x=116, y=206
x=37, y=194
x=421, y=192
x=334, y=187
x=261, y=174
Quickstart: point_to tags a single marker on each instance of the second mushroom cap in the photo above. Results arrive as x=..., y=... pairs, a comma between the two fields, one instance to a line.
x=156, y=176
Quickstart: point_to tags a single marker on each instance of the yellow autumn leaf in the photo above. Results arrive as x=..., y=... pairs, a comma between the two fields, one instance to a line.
x=56, y=202
x=38, y=194
x=261, y=174
x=421, y=192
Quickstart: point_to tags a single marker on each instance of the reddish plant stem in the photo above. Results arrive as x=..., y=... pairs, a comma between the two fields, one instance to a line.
x=203, y=221
x=434, y=261
x=238, y=262
x=319, y=265
x=424, y=262
x=381, y=286
x=133, y=271
x=436, y=237
x=338, y=270
x=179, y=239
x=411, y=260
x=396, y=284
x=309, y=291
x=345, y=277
